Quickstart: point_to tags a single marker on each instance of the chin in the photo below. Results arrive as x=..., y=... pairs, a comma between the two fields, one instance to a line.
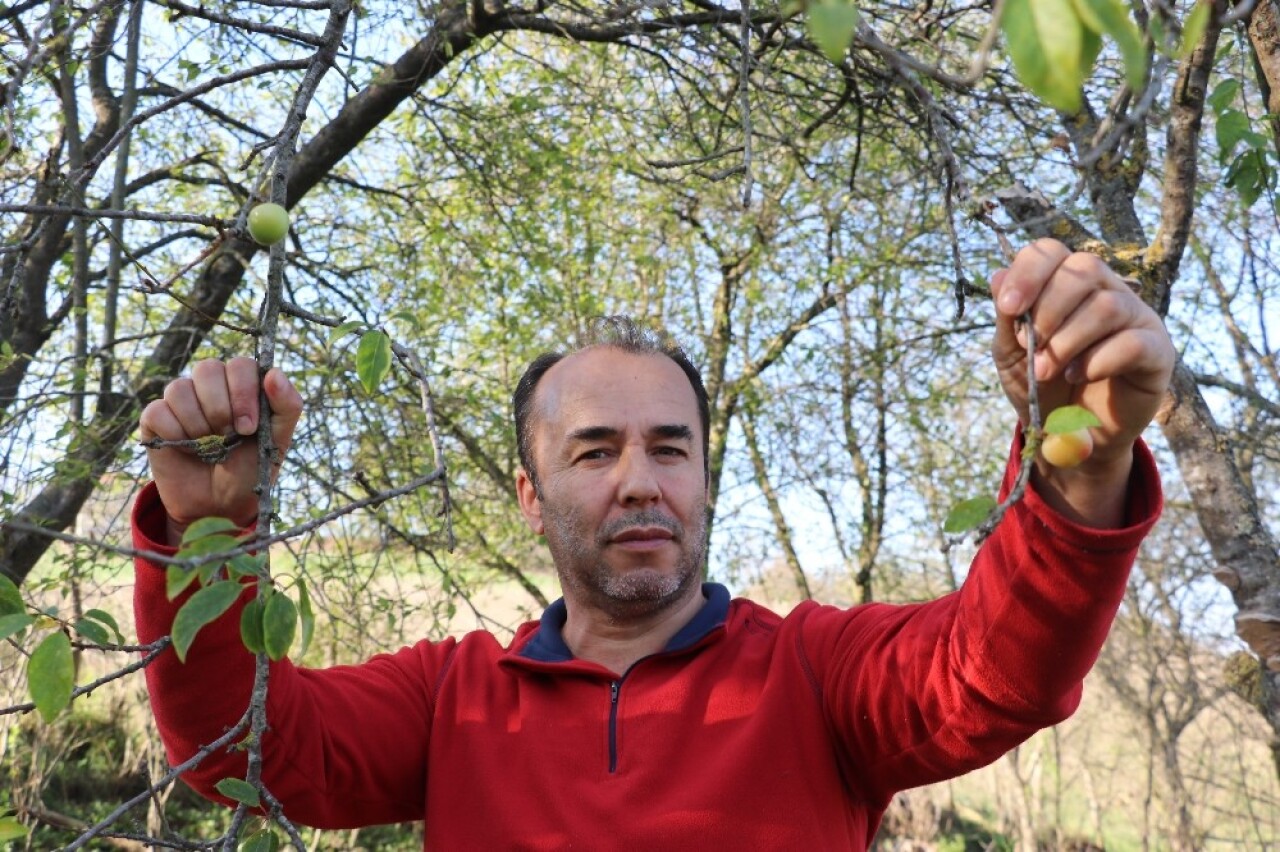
x=644, y=585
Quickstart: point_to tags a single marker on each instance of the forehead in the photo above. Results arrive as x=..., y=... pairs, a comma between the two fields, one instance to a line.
x=604, y=386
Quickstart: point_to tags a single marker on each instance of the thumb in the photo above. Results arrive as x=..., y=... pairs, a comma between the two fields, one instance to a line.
x=1006, y=349
x=286, y=407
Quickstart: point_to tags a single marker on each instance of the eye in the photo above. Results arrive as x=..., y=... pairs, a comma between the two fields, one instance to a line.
x=592, y=455
x=672, y=452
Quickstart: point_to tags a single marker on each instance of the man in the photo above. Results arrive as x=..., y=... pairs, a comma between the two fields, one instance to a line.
x=646, y=710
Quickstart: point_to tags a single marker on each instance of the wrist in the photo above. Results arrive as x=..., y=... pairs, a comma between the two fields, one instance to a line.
x=175, y=529
x=1093, y=493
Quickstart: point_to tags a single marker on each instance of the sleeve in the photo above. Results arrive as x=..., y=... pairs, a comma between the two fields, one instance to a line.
x=919, y=693
x=346, y=746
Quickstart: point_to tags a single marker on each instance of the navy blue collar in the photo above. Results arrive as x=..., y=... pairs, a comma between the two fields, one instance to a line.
x=547, y=644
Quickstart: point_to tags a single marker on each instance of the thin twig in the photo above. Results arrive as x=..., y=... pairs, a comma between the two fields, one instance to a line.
x=104, y=213
x=1032, y=430
x=413, y=364
x=153, y=649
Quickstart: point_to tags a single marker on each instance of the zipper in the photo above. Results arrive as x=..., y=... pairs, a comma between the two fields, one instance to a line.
x=614, y=687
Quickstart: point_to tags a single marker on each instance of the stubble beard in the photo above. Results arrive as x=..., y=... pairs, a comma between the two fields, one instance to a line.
x=623, y=592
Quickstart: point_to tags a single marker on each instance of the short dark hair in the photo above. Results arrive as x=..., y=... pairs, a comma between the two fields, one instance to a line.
x=617, y=332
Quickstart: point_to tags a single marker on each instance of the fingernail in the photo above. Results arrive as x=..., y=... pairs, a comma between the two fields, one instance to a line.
x=1074, y=373
x=1010, y=302
x=244, y=424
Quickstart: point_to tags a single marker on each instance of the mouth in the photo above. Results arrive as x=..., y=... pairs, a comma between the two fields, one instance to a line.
x=642, y=538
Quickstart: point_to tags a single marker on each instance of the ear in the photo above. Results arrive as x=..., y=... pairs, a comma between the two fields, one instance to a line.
x=530, y=505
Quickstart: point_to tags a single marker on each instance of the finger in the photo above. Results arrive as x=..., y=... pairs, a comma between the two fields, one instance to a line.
x=209, y=380
x=1140, y=356
x=1006, y=350
x=1027, y=276
x=180, y=396
x=158, y=421
x=286, y=407
x=242, y=391
x=1097, y=316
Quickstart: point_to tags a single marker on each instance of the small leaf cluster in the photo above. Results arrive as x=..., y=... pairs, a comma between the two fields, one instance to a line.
x=1242, y=150
x=269, y=622
x=51, y=665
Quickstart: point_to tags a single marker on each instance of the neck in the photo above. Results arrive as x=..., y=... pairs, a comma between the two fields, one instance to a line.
x=617, y=641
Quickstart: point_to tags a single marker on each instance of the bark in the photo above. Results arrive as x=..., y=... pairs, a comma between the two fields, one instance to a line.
x=781, y=529
x=1112, y=179
x=1244, y=549
x=1264, y=37
x=1186, y=114
x=58, y=503
x=25, y=322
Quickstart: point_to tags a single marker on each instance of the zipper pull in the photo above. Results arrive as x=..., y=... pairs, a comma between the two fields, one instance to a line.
x=613, y=692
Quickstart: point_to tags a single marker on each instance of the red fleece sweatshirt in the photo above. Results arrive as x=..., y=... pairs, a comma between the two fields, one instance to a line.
x=750, y=731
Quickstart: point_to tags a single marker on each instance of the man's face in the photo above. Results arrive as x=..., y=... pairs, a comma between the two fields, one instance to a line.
x=618, y=448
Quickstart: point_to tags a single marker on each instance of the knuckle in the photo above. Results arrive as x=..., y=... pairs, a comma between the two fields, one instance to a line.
x=1047, y=247
x=179, y=386
x=1086, y=265
x=206, y=369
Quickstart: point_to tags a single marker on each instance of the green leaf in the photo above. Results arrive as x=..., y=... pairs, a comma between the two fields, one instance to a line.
x=1047, y=44
x=373, y=359
x=51, y=675
x=1249, y=175
x=279, y=623
x=1090, y=47
x=1223, y=94
x=14, y=622
x=307, y=617
x=107, y=619
x=967, y=514
x=1069, y=418
x=343, y=330
x=260, y=841
x=177, y=578
x=251, y=626
x=203, y=607
x=1232, y=126
x=93, y=631
x=831, y=26
x=11, y=829
x=239, y=790
x=1111, y=18
x=209, y=544
x=245, y=565
x=207, y=526
x=10, y=597
x=1193, y=29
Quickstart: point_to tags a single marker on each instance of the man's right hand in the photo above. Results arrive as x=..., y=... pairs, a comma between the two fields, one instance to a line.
x=218, y=399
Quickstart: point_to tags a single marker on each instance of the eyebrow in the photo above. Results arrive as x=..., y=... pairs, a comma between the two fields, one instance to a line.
x=669, y=431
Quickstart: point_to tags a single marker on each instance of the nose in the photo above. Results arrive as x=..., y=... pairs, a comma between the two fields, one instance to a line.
x=637, y=479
